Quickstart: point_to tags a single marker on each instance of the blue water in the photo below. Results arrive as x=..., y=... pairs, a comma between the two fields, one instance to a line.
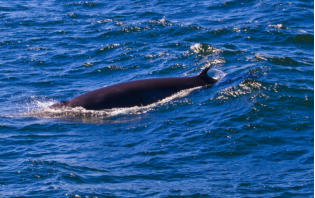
x=251, y=135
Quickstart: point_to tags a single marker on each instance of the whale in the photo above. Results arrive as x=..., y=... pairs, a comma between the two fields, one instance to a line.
x=137, y=93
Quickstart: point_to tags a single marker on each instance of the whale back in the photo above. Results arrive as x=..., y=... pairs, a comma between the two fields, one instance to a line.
x=137, y=93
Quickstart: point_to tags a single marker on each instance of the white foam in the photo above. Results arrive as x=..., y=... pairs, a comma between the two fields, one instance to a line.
x=200, y=48
x=278, y=26
x=239, y=90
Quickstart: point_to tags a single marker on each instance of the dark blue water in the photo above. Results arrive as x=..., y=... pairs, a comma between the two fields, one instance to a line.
x=251, y=135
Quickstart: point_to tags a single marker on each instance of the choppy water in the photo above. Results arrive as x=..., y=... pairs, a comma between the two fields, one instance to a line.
x=251, y=135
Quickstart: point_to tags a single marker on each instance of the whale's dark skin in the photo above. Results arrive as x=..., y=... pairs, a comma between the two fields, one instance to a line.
x=136, y=93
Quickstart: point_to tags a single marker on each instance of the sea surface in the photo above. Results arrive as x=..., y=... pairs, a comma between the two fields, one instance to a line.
x=250, y=135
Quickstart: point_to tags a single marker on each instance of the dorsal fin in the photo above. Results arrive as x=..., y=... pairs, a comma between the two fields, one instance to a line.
x=205, y=77
x=204, y=72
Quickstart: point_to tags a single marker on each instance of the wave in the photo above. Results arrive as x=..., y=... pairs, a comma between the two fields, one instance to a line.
x=303, y=39
x=204, y=49
x=244, y=88
x=87, y=4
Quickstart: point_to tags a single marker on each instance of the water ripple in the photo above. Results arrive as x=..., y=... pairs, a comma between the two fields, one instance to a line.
x=250, y=135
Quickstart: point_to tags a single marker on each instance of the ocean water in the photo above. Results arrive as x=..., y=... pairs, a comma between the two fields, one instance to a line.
x=250, y=135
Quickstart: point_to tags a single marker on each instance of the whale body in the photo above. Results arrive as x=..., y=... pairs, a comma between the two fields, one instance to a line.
x=136, y=93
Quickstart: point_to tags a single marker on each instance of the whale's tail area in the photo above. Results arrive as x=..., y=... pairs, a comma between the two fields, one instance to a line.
x=205, y=77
